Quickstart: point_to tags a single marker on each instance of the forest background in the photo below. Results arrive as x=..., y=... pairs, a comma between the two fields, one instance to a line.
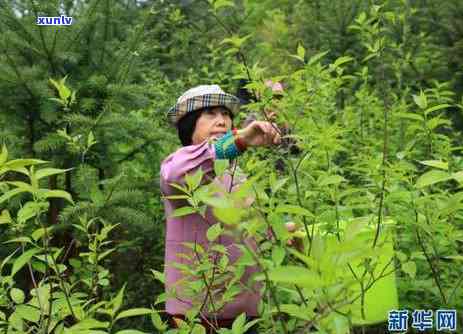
x=373, y=99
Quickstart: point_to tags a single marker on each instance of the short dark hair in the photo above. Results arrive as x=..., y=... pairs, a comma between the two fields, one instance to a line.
x=187, y=124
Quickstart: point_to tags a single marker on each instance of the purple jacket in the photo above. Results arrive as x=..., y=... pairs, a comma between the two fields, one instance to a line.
x=193, y=227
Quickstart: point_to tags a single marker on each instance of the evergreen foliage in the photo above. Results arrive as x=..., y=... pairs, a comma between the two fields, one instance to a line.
x=374, y=102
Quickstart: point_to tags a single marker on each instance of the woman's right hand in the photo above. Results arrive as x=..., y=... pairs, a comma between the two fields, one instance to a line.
x=260, y=133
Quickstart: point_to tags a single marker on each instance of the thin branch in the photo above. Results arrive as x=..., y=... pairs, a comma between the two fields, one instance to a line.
x=105, y=33
x=435, y=275
x=135, y=151
x=34, y=283
x=385, y=155
x=271, y=286
x=44, y=45
x=453, y=293
x=89, y=14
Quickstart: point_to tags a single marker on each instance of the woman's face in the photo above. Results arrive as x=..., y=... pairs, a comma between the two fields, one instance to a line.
x=213, y=123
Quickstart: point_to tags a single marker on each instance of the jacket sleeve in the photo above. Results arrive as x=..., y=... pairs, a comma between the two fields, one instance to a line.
x=184, y=161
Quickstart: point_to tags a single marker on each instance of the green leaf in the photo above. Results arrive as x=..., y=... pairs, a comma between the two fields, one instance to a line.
x=90, y=139
x=409, y=268
x=75, y=263
x=401, y=256
x=278, y=184
x=251, y=323
x=23, y=259
x=411, y=116
x=117, y=301
x=458, y=176
x=105, y=253
x=213, y=232
x=318, y=247
x=42, y=292
x=216, y=202
x=220, y=166
x=3, y=155
x=370, y=56
x=18, y=163
x=229, y=216
x=28, y=313
x=46, y=193
x=96, y=195
x=300, y=52
x=331, y=179
x=293, y=209
x=194, y=180
x=238, y=324
x=438, y=107
x=297, y=311
x=130, y=331
x=59, y=268
x=38, y=233
x=30, y=210
x=22, y=185
x=183, y=211
x=54, y=83
x=106, y=230
x=88, y=323
x=361, y=18
x=157, y=322
x=180, y=187
x=5, y=217
x=295, y=275
x=317, y=57
x=17, y=295
x=436, y=122
x=10, y=194
x=134, y=312
x=158, y=275
x=432, y=177
x=64, y=91
x=57, y=100
x=342, y=60
x=421, y=100
x=278, y=255
x=223, y=3
x=198, y=329
x=103, y=282
x=7, y=259
x=44, y=172
x=340, y=324
x=435, y=163
x=20, y=240
x=177, y=197
x=236, y=41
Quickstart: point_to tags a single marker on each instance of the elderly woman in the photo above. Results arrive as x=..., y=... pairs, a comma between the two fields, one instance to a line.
x=203, y=117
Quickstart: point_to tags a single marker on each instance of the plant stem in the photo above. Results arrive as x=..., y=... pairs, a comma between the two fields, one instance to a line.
x=452, y=294
x=34, y=283
x=299, y=200
x=385, y=148
x=269, y=283
x=60, y=279
x=435, y=275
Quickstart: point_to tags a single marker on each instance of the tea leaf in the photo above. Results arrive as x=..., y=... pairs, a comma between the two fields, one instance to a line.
x=432, y=177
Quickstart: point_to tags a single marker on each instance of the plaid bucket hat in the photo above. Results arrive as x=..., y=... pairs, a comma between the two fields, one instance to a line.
x=199, y=97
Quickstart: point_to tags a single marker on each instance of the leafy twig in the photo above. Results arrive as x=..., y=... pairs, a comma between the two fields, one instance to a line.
x=435, y=275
